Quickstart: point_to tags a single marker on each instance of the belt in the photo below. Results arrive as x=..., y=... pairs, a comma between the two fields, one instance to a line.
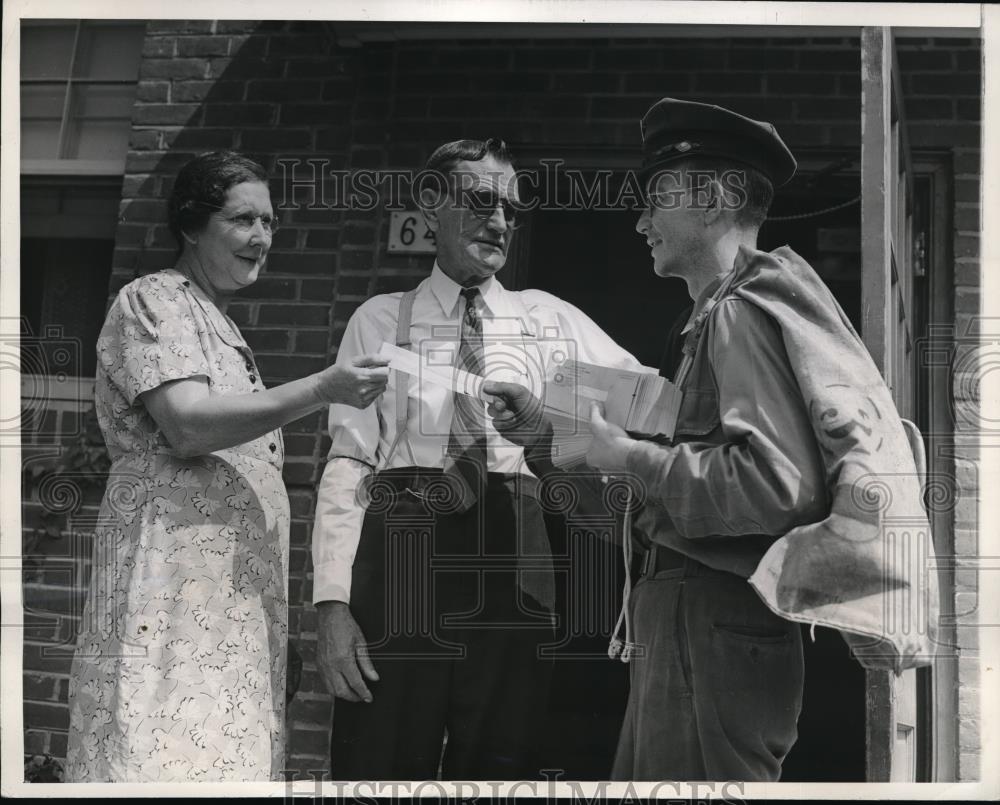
x=660, y=558
x=431, y=484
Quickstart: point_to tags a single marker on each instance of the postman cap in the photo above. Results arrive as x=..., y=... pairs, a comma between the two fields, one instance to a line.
x=674, y=129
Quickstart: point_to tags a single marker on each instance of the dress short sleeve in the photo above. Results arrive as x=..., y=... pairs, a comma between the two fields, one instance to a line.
x=150, y=337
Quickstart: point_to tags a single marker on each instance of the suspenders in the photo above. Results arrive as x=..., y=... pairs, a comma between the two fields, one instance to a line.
x=402, y=379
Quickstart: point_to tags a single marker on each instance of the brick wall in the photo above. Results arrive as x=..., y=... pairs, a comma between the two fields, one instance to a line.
x=279, y=91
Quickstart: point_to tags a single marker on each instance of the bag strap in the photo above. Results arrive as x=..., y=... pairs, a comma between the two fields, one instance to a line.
x=402, y=378
x=699, y=326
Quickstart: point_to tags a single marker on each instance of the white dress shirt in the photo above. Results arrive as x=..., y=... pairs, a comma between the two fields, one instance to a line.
x=524, y=333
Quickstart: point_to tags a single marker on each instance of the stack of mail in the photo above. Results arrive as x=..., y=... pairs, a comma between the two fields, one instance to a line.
x=641, y=402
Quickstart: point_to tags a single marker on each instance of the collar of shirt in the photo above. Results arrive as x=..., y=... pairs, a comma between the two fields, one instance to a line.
x=702, y=299
x=224, y=326
x=447, y=292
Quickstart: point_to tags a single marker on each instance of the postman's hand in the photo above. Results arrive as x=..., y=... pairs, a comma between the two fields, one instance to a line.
x=610, y=447
x=517, y=413
x=341, y=653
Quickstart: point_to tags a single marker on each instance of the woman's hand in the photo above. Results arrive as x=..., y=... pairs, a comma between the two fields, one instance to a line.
x=611, y=445
x=357, y=385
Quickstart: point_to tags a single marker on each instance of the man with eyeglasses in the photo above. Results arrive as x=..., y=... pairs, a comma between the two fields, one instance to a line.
x=434, y=582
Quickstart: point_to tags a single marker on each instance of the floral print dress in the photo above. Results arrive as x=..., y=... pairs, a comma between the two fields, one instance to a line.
x=179, y=671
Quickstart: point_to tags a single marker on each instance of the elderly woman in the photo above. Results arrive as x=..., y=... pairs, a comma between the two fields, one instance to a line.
x=179, y=673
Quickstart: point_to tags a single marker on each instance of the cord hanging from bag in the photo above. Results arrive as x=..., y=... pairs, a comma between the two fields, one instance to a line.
x=616, y=648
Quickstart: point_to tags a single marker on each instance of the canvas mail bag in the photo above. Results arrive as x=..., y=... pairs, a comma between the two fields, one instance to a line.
x=868, y=568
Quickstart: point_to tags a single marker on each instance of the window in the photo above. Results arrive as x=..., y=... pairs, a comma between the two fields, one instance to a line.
x=78, y=82
x=67, y=242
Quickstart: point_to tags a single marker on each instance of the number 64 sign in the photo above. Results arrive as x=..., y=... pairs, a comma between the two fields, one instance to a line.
x=408, y=234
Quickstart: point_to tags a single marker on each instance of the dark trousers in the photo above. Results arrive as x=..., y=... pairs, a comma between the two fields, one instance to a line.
x=717, y=690
x=452, y=634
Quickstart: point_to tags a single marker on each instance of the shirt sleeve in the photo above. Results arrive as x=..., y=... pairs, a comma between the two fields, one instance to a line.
x=354, y=432
x=579, y=491
x=767, y=476
x=559, y=321
x=150, y=337
x=337, y=528
x=340, y=512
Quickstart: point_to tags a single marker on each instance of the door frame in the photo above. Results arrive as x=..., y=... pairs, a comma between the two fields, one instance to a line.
x=937, y=685
x=936, y=758
x=892, y=265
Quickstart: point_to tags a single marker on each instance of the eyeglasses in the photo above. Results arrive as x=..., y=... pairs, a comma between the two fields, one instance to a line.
x=483, y=203
x=244, y=222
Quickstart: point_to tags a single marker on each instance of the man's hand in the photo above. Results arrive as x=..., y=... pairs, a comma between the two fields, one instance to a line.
x=341, y=653
x=517, y=413
x=610, y=448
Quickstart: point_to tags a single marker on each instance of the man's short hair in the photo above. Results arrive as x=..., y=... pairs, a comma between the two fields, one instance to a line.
x=446, y=157
x=749, y=188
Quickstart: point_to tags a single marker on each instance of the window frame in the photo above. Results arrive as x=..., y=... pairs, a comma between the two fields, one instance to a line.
x=68, y=166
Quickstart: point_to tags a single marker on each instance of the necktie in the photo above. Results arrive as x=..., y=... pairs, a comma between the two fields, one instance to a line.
x=466, y=458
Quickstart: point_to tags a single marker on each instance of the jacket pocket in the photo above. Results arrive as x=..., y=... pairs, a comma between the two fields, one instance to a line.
x=699, y=414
